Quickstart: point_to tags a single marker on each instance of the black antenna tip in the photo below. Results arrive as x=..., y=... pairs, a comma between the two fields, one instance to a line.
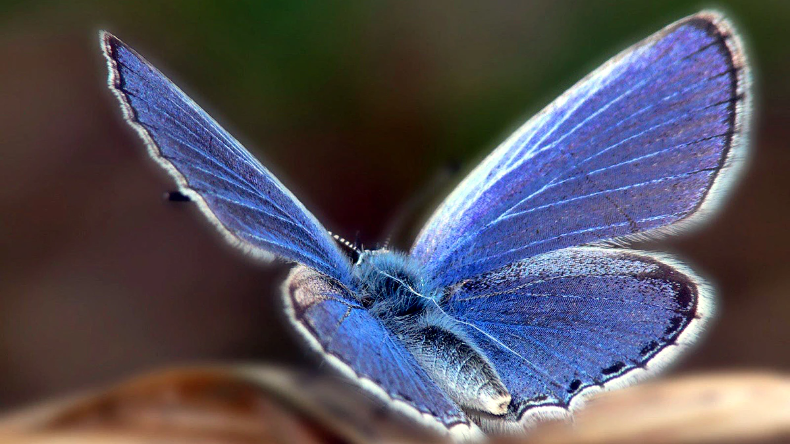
x=177, y=196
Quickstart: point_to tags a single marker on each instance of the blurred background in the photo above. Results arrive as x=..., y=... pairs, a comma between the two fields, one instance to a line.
x=357, y=107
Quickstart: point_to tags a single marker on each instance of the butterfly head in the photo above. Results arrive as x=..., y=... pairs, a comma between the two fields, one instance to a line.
x=391, y=284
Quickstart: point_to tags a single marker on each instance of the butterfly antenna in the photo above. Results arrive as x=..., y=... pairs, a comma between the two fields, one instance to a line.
x=345, y=243
x=408, y=208
x=177, y=196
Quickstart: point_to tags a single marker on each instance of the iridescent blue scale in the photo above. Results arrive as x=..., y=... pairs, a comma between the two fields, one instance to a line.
x=521, y=296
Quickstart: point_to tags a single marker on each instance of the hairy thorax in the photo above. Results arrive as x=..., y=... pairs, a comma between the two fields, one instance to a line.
x=392, y=286
x=396, y=291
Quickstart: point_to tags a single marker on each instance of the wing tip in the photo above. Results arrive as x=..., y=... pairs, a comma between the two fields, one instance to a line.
x=106, y=36
x=718, y=24
x=736, y=157
x=109, y=43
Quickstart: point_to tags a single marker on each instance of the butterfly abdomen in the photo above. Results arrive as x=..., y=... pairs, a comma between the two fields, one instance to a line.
x=458, y=366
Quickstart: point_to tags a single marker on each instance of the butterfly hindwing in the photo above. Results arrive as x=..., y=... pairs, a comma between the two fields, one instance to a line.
x=646, y=141
x=335, y=323
x=244, y=200
x=571, y=321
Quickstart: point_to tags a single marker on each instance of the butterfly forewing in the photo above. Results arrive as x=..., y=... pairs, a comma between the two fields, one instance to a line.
x=246, y=202
x=635, y=147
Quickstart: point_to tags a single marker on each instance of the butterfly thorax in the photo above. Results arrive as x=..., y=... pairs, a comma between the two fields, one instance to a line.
x=391, y=285
x=395, y=290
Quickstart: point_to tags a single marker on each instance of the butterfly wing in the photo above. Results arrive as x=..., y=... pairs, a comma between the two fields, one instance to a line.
x=644, y=145
x=335, y=324
x=646, y=141
x=573, y=321
x=241, y=197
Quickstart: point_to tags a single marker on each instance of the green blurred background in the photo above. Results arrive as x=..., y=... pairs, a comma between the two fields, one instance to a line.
x=356, y=106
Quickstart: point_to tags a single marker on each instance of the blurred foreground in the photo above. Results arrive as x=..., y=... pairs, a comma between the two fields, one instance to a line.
x=235, y=405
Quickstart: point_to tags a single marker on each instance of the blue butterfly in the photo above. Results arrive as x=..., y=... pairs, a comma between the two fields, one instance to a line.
x=520, y=297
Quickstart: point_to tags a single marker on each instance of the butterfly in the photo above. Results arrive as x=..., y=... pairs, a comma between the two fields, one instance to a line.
x=520, y=297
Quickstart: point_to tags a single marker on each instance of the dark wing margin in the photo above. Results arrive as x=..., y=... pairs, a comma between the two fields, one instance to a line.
x=251, y=208
x=646, y=145
x=569, y=323
x=359, y=346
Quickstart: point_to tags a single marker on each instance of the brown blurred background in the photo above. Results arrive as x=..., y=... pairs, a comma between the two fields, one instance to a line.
x=356, y=106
